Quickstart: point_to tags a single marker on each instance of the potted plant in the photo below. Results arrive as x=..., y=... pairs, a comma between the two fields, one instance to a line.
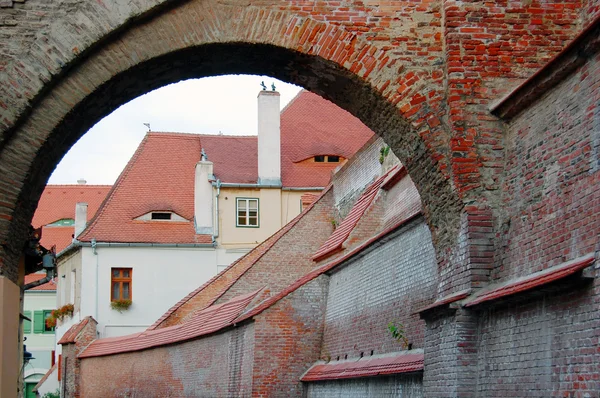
x=120, y=305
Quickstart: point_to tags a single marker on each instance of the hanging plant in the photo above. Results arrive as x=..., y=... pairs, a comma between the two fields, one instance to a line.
x=59, y=314
x=120, y=305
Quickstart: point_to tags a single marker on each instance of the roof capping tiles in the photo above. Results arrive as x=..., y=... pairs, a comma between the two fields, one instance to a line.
x=532, y=281
x=335, y=242
x=71, y=335
x=366, y=367
x=445, y=301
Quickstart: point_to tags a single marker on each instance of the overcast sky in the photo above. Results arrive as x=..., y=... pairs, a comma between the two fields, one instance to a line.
x=225, y=104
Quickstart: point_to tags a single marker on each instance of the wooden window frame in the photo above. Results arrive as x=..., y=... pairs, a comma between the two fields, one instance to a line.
x=120, y=280
x=237, y=212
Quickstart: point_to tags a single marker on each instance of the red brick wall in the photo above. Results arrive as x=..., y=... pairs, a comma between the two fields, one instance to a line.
x=210, y=366
x=552, y=175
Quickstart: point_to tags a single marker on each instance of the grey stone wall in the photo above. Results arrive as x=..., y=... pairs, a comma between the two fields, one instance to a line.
x=401, y=386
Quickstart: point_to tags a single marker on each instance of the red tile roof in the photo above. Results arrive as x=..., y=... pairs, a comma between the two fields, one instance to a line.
x=159, y=176
x=234, y=157
x=341, y=233
x=205, y=322
x=452, y=298
x=48, y=286
x=365, y=367
x=59, y=236
x=311, y=126
x=532, y=281
x=58, y=202
x=71, y=335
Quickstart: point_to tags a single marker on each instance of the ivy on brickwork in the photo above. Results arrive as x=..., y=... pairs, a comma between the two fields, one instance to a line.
x=383, y=152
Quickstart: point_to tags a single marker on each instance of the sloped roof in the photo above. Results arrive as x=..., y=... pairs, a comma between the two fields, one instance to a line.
x=204, y=322
x=311, y=126
x=341, y=233
x=58, y=202
x=159, y=176
x=234, y=157
x=48, y=286
x=59, y=236
x=71, y=335
x=366, y=367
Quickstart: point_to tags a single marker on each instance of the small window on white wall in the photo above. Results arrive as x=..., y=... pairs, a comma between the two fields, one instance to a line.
x=247, y=212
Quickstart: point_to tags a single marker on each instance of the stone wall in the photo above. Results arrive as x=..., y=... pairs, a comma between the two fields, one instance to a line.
x=404, y=386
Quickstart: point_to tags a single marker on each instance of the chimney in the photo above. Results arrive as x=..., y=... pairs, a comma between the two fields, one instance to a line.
x=269, y=140
x=81, y=181
x=80, y=217
x=203, y=196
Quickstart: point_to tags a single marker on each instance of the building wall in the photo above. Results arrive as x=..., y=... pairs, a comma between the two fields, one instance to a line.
x=387, y=284
x=160, y=277
x=40, y=345
x=536, y=346
x=552, y=175
x=208, y=367
x=398, y=386
x=69, y=280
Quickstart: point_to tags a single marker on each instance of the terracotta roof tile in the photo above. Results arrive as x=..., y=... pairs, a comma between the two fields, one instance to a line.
x=58, y=202
x=59, y=236
x=49, y=286
x=341, y=233
x=159, y=176
x=531, y=281
x=365, y=367
x=234, y=157
x=210, y=320
x=311, y=126
x=71, y=335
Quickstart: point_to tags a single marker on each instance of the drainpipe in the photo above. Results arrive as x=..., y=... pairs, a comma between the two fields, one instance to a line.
x=97, y=266
x=216, y=222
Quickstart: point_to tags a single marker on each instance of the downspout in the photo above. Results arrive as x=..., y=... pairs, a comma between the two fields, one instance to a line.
x=216, y=221
x=97, y=267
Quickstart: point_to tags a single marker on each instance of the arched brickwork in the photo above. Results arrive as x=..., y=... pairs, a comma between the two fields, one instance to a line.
x=398, y=94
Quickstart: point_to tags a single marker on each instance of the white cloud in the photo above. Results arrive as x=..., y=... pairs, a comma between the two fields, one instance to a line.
x=224, y=104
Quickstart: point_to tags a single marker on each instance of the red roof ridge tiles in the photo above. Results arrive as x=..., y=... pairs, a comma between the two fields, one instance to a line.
x=207, y=321
x=70, y=335
x=387, y=364
x=335, y=242
x=322, y=269
x=531, y=281
x=264, y=246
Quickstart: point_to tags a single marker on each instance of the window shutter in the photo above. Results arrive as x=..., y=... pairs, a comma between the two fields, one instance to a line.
x=38, y=321
x=26, y=323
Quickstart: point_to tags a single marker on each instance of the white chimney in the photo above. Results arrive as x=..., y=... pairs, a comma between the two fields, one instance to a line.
x=203, y=197
x=81, y=181
x=269, y=140
x=80, y=217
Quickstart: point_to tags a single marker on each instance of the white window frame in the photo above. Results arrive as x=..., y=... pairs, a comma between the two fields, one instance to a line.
x=247, y=211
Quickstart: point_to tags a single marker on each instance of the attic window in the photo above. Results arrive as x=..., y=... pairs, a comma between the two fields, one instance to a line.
x=320, y=158
x=161, y=216
x=333, y=159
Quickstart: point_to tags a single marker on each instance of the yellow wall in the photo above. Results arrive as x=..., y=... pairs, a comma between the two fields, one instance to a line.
x=276, y=208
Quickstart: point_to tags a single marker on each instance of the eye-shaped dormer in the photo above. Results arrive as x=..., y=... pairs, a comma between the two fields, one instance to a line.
x=161, y=216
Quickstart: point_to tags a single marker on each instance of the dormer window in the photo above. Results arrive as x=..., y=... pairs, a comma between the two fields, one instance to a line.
x=161, y=216
x=327, y=158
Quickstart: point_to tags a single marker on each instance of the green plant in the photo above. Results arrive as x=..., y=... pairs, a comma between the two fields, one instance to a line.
x=55, y=394
x=334, y=224
x=397, y=332
x=383, y=152
x=59, y=314
x=120, y=305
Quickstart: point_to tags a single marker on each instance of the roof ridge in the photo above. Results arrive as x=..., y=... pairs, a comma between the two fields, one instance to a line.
x=180, y=134
x=114, y=189
x=286, y=228
x=78, y=185
x=285, y=108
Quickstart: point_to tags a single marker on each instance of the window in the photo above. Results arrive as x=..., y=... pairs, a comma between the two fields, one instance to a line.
x=333, y=159
x=39, y=322
x=161, y=216
x=247, y=212
x=320, y=158
x=120, y=281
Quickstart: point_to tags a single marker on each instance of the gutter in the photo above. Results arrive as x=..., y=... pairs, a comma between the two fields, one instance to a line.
x=216, y=184
x=94, y=244
x=241, y=185
x=39, y=282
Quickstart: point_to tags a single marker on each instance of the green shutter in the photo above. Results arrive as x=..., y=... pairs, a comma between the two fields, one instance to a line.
x=38, y=321
x=26, y=323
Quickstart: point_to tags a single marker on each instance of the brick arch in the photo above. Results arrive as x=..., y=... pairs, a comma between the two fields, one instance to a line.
x=396, y=95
